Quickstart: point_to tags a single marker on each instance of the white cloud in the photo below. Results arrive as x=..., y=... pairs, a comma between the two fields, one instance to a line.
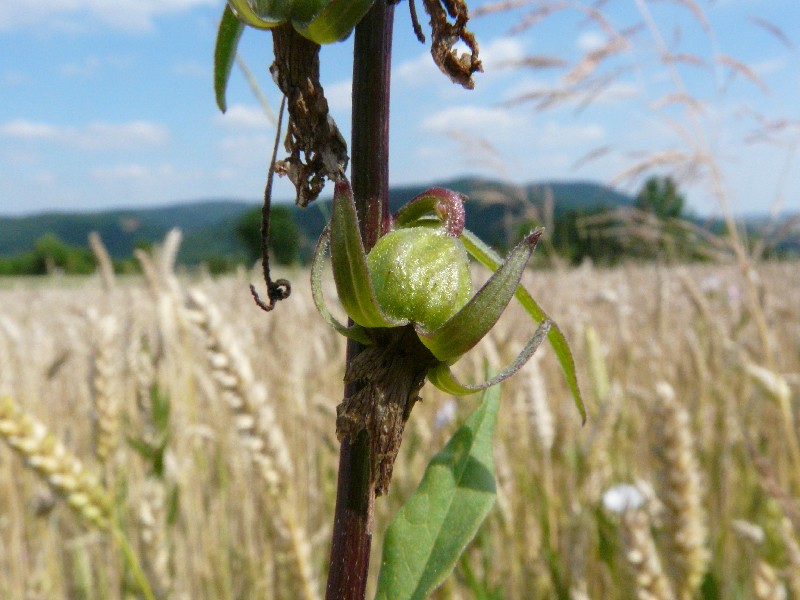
x=97, y=135
x=472, y=118
x=61, y=14
x=501, y=50
x=560, y=135
x=247, y=150
x=339, y=95
x=192, y=68
x=417, y=71
x=22, y=129
x=769, y=66
x=589, y=41
x=244, y=116
x=85, y=69
x=116, y=172
x=92, y=64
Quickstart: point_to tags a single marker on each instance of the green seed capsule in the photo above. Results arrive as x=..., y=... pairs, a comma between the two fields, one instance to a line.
x=420, y=274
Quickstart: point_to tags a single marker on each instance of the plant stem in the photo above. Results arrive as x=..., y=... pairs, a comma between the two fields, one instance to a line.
x=355, y=495
x=133, y=564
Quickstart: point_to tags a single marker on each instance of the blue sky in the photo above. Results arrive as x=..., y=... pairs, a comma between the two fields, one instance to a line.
x=110, y=104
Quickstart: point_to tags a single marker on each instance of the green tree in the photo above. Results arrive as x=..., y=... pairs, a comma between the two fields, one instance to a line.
x=284, y=242
x=660, y=196
x=50, y=252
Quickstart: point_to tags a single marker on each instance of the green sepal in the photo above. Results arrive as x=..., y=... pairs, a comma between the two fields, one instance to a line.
x=280, y=12
x=228, y=34
x=335, y=22
x=469, y=325
x=355, y=332
x=349, y=260
x=443, y=378
x=489, y=258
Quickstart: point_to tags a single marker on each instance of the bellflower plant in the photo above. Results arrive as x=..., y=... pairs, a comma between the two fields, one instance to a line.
x=403, y=280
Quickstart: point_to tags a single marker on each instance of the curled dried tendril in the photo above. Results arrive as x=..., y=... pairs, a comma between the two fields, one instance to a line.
x=279, y=289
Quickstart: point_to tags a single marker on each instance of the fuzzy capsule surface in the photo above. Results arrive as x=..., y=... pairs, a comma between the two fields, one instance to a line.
x=420, y=274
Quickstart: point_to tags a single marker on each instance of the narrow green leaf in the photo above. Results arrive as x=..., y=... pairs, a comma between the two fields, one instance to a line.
x=355, y=332
x=350, y=271
x=228, y=34
x=433, y=527
x=489, y=258
x=443, y=378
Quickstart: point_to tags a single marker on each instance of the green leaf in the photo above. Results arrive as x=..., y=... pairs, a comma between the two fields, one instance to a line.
x=433, y=527
x=335, y=22
x=443, y=378
x=142, y=448
x=350, y=271
x=355, y=332
x=228, y=34
x=489, y=258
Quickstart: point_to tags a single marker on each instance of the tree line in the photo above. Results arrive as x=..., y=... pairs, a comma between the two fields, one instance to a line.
x=656, y=227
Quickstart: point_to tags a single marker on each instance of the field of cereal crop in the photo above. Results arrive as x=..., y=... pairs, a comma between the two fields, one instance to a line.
x=684, y=482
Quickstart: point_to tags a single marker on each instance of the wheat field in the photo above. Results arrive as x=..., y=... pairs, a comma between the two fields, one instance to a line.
x=684, y=482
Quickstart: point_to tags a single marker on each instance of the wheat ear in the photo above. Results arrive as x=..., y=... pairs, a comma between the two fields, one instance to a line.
x=258, y=431
x=104, y=263
x=766, y=585
x=62, y=471
x=104, y=393
x=642, y=557
x=680, y=490
x=792, y=547
x=152, y=519
x=255, y=420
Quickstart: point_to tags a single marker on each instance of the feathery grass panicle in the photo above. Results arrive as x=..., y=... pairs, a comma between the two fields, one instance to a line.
x=680, y=490
x=63, y=472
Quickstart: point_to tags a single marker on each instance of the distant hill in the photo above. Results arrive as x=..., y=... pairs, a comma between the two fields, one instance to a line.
x=121, y=230
x=209, y=226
